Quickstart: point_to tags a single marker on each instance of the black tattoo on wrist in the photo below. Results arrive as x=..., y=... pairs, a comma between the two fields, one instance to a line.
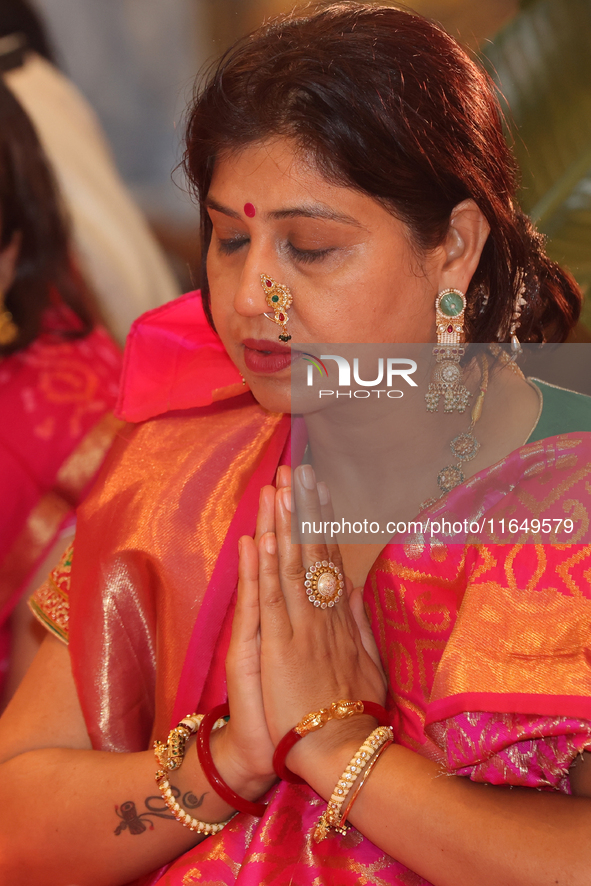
x=133, y=821
x=190, y=801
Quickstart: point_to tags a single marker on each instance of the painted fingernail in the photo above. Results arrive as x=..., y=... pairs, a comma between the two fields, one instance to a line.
x=308, y=478
x=323, y=493
x=270, y=543
x=286, y=496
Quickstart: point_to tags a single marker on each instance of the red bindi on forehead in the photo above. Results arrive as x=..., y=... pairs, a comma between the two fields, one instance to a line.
x=249, y=210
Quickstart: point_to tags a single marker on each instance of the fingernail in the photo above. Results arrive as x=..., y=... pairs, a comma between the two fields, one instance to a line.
x=323, y=493
x=239, y=546
x=270, y=543
x=308, y=478
x=286, y=494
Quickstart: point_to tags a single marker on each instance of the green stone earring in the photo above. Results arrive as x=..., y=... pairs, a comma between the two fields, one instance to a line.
x=446, y=380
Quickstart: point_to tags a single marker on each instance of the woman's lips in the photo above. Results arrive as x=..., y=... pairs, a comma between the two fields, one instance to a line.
x=266, y=357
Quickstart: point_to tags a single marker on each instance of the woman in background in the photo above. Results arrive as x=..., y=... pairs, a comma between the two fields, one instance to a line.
x=110, y=239
x=58, y=379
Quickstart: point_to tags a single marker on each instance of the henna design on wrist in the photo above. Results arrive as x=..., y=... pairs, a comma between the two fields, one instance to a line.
x=133, y=821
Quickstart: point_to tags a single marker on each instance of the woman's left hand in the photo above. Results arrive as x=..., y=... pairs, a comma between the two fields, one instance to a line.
x=310, y=657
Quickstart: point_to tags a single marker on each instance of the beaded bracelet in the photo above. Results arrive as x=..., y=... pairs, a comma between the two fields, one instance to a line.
x=193, y=824
x=170, y=756
x=339, y=710
x=357, y=767
x=354, y=793
x=222, y=789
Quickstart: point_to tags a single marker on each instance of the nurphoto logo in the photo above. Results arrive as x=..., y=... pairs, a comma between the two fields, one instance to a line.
x=388, y=371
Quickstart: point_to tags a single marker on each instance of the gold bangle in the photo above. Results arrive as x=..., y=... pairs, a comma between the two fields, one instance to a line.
x=331, y=817
x=356, y=769
x=193, y=824
x=170, y=756
x=361, y=781
x=339, y=710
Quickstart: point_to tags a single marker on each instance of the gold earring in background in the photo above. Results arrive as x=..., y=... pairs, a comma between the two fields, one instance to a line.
x=8, y=328
x=446, y=380
x=279, y=299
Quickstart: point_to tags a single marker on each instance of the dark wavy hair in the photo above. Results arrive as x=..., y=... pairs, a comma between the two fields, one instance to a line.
x=388, y=103
x=30, y=208
x=19, y=17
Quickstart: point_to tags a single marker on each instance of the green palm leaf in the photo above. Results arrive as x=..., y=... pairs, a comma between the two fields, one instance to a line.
x=541, y=62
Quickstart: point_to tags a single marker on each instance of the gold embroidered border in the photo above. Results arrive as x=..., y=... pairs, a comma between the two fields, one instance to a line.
x=49, y=513
x=527, y=638
x=50, y=604
x=83, y=463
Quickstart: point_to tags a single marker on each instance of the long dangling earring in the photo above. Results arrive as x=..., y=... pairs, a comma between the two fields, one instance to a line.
x=527, y=289
x=279, y=299
x=518, y=306
x=8, y=328
x=446, y=380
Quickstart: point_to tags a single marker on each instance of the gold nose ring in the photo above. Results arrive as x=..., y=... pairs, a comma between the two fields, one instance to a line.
x=279, y=299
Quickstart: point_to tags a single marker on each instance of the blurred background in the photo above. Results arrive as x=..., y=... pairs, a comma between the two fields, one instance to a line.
x=135, y=62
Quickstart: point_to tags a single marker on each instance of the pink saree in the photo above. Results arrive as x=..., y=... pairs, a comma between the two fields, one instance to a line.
x=56, y=398
x=486, y=647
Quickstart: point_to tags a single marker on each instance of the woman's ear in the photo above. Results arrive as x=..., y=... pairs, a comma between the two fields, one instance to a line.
x=8, y=262
x=467, y=233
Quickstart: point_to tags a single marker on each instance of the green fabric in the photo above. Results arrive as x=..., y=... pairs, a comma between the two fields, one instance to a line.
x=562, y=412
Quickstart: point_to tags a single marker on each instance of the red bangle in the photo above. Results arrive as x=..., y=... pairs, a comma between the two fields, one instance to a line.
x=209, y=770
x=310, y=724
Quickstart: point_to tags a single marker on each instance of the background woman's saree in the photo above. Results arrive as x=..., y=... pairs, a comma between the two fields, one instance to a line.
x=486, y=647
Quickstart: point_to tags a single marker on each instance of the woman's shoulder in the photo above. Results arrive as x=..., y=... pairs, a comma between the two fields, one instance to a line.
x=61, y=342
x=56, y=395
x=563, y=411
x=175, y=361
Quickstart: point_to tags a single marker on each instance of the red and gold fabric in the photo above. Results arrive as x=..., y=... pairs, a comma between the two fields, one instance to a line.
x=51, y=602
x=56, y=399
x=487, y=648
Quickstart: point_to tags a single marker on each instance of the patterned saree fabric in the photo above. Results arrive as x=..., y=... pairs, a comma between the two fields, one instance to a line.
x=486, y=647
x=57, y=398
x=486, y=676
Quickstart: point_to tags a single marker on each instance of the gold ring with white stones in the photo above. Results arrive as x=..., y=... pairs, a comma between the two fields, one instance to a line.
x=324, y=584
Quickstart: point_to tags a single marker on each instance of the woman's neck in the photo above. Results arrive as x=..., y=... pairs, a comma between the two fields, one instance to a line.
x=381, y=461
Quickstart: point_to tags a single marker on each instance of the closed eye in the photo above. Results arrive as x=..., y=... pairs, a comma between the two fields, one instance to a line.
x=231, y=245
x=308, y=255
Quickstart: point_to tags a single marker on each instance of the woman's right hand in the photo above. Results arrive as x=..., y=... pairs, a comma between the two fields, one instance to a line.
x=244, y=750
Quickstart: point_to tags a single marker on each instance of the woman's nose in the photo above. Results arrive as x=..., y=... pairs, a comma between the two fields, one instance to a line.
x=249, y=298
x=251, y=295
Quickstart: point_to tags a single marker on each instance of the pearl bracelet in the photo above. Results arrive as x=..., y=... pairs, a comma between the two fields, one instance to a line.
x=355, y=773
x=169, y=757
x=353, y=794
x=193, y=824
